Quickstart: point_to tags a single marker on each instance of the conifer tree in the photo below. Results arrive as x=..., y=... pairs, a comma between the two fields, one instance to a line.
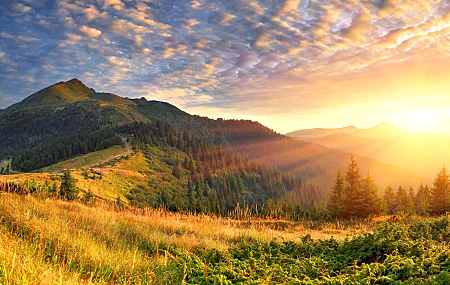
x=390, y=200
x=352, y=193
x=336, y=199
x=440, y=198
x=421, y=201
x=68, y=189
x=401, y=200
x=410, y=209
x=371, y=204
x=177, y=171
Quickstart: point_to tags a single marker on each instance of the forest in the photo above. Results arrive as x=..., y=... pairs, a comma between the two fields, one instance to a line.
x=208, y=178
x=354, y=195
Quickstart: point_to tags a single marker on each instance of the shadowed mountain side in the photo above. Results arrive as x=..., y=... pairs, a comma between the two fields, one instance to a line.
x=410, y=152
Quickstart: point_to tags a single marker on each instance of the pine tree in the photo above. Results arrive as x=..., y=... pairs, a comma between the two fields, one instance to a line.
x=352, y=193
x=390, y=200
x=68, y=189
x=440, y=198
x=371, y=204
x=410, y=209
x=401, y=200
x=335, y=201
x=177, y=171
x=421, y=201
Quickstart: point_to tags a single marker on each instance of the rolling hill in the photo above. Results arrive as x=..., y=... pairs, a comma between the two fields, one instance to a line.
x=70, y=112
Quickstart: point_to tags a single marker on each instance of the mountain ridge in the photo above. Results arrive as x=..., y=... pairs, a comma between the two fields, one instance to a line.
x=28, y=126
x=381, y=130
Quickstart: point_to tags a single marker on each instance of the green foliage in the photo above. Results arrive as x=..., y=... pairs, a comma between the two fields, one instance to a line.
x=354, y=196
x=440, y=193
x=68, y=189
x=392, y=254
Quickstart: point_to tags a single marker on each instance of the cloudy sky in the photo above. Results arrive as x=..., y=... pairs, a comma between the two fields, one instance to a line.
x=289, y=64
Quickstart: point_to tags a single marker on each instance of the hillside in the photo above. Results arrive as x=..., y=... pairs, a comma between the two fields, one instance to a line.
x=85, y=120
x=409, y=152
x=382, y=130
x=49, y=241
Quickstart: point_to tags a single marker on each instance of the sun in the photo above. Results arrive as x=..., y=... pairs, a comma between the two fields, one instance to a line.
x=421, y=120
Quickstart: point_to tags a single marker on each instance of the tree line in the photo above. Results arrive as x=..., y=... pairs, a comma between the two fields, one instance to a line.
x=355, y=195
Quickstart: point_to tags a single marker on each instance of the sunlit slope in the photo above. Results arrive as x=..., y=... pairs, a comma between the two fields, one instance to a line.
x=321, y=163
x=423, y=153
x=89, y=160
x=111, y=173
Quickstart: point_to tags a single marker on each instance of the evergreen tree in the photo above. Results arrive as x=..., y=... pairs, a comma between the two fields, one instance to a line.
x=177, y=171
x=68, y=189
x=371, y=204
x=410, y=209
x=352, y=193
x=401, y=200
x=390, y=200
x=421, y=201
x=440, y=198
x=335, y=201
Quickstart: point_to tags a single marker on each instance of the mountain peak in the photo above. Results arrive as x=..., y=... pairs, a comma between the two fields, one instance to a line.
x=383, y=125
x=56, y=94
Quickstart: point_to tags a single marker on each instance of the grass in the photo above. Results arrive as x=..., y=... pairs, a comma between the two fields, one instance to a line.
x=53, y=242
x=48, y=241
x=88, y=160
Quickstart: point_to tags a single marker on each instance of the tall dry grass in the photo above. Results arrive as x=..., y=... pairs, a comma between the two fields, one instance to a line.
x=48, y=241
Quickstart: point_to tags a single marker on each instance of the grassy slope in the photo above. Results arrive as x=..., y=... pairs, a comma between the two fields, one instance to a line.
x=120, y=172
x=56, y=242
x=88, y=160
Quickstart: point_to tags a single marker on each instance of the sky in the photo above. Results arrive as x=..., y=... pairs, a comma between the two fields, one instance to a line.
x=290, y=64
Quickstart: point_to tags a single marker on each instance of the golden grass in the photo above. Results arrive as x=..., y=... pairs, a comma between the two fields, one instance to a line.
x=52, y=241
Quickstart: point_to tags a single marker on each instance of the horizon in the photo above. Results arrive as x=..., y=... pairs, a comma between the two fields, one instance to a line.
x=242, y=118
x=289, y=64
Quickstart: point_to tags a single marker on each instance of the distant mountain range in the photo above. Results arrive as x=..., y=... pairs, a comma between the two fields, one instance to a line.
x=383, y=130
x=70, y=108
x=423, y=153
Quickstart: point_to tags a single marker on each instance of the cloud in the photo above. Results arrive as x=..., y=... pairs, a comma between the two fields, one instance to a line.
x=220, y=52
x=90, y=32
x=20, y=8
x=20, y=38
x=114, y=60
x=73, y=38
x=226, y=18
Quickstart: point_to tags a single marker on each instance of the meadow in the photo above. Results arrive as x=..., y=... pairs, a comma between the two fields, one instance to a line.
x=49, y=241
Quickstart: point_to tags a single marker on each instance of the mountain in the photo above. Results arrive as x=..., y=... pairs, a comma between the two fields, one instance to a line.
x=409, y=152
x=75, y=119
x=383, y=130
x=55, y=95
